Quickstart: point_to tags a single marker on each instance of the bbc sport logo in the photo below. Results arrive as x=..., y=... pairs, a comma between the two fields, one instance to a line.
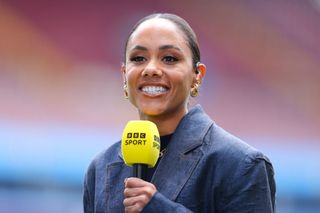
x=136, y=135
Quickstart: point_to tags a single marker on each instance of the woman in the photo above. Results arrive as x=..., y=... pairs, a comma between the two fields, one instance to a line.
x=204, y=168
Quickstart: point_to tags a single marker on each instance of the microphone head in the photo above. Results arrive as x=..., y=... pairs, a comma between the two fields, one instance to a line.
x=140, y=143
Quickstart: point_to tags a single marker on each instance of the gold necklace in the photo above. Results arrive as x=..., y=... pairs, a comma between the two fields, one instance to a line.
x=162, y=152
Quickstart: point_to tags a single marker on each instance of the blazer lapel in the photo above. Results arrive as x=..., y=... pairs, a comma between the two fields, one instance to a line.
x=173, y=172
x=183, y=154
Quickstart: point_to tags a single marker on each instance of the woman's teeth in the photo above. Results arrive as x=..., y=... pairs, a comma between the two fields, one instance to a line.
x=154, y=89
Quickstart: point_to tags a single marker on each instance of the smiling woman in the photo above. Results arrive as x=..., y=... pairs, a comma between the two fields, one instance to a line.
x=160, y=73
x=203, y=168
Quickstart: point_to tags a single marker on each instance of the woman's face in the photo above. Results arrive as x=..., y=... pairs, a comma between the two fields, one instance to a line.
x=159, y=70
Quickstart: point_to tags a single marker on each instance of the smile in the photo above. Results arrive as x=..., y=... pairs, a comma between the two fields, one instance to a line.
x=154, y=90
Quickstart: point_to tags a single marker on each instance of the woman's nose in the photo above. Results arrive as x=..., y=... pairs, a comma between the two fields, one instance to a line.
x=152, y=69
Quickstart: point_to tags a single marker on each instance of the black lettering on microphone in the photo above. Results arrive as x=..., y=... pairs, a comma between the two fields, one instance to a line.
x=156, y=145
x=142, y=135
x=136, y=135
x=135, y=142
x=156, y=138
x=129, y=135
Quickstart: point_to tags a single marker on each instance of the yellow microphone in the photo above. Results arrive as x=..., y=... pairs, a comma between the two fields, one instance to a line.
x=140, y=146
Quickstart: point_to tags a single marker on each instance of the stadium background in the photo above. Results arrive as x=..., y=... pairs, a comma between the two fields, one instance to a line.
x=61, y=99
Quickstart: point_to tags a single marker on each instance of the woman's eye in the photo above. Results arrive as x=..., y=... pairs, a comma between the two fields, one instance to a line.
x=137, y=59
x=170, y=59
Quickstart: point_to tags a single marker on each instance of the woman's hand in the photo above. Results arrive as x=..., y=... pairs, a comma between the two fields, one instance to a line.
x=137, y=194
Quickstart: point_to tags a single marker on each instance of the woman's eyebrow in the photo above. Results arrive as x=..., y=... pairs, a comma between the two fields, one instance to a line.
x=169, y=46
x=163, y=47
x=139, y=47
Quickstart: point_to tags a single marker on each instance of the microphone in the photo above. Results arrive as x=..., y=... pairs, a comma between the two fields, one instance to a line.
x=140, y=146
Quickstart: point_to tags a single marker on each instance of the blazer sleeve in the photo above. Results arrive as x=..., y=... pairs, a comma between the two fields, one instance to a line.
x=252, y=187
x=88, y=190
x=159, y=203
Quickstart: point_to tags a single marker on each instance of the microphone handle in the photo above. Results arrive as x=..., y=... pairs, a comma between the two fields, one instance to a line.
x=140, y=171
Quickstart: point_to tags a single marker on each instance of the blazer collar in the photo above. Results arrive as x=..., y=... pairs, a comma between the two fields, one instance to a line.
x=190, y=131
x=177, y=164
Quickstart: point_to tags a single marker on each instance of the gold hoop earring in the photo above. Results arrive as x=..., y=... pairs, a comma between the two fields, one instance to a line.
x=194, y=92
x=125, y=90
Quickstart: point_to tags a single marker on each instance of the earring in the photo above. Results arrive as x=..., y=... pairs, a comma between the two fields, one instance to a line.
x=194, y=92
x=125, y=90
x=197, y=67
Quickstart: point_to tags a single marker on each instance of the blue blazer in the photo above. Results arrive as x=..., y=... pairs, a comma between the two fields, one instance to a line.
x=205, y=169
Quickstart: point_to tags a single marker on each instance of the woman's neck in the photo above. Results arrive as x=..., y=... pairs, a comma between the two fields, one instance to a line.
x=167, y=123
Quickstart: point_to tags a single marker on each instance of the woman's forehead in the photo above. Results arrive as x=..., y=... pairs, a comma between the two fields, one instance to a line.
x=156, y=30
x=157, y=23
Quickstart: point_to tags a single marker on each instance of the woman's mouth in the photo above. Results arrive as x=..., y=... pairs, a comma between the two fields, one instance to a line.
x=154, y=90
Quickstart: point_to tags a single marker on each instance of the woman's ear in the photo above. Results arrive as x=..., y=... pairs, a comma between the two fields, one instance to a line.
x=201, y=71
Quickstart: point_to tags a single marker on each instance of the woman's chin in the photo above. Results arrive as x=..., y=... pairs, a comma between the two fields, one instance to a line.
x=151, y=110
x=151, y=113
